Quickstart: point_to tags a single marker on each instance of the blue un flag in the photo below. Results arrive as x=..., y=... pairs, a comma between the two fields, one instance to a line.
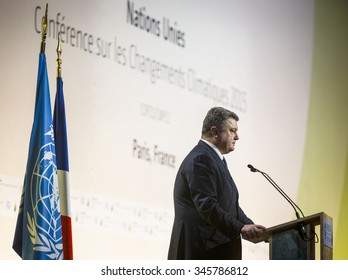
x=38, y=234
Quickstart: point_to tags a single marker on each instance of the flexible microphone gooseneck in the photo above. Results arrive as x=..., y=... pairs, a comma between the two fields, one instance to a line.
x=274, y=184
x=303, y=232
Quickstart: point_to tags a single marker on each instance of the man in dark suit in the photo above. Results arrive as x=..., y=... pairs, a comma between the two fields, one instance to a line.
x=208, y=221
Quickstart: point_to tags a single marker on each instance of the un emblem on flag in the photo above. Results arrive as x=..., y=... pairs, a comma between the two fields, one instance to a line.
x=44, y=225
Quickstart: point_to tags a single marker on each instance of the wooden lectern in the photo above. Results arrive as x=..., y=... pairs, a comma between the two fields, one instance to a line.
x=295, y=240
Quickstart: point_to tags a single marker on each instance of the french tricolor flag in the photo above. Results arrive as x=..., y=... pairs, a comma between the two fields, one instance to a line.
x=60, y=135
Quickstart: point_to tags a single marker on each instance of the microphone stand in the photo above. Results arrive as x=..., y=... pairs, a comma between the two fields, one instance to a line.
x=302, y=230
x=292, y=203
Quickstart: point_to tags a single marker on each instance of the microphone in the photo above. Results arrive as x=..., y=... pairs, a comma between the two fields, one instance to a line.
x=252, y=168
x=269, y=179
x=292, y=203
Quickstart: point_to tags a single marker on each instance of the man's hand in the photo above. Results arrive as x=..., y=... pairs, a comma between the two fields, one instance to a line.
x=252, y=231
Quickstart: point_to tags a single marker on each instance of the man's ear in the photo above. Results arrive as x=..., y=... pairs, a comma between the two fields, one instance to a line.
x=214, y=131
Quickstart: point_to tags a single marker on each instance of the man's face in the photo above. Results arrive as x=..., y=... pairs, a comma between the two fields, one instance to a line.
x=227, y=136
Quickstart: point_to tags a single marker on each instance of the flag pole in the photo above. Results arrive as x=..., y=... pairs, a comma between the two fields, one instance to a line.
x=44, y=32
x=59, y=60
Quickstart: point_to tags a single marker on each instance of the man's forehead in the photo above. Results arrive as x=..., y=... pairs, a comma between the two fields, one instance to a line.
x=231, y=123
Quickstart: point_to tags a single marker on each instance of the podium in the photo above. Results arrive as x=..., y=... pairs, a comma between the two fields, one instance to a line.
x=296, y=240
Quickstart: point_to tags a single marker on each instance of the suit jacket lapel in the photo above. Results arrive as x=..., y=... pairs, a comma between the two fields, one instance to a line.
x=222, y=166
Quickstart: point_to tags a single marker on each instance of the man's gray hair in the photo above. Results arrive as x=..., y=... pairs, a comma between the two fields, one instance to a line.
x=216, y=116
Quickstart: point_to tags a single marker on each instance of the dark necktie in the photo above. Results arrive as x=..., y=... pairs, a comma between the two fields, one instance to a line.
x=224, y=161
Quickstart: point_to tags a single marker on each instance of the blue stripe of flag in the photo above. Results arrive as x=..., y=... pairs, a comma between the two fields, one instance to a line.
x=59, y=125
